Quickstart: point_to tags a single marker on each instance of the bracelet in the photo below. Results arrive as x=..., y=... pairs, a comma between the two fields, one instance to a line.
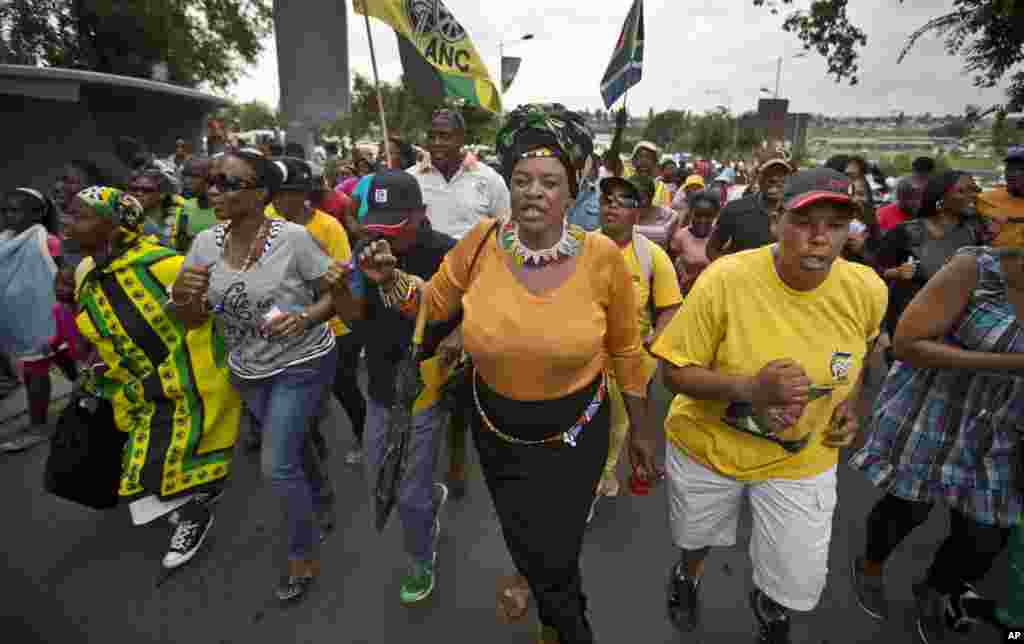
x=403, y=294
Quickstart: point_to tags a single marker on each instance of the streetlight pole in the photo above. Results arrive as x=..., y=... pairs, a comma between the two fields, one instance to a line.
x=778, y=71
x=501, y=72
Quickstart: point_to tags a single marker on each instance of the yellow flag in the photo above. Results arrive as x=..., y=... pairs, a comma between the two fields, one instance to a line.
x=438, y=57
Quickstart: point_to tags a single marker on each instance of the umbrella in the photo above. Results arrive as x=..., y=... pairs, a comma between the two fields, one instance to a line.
x=408, y=386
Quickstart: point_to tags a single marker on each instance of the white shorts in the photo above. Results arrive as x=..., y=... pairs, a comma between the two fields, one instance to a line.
x=792, y=524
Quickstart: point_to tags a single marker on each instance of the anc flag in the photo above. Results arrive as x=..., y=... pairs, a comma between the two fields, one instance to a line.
x=628, y=58
x=438, y=57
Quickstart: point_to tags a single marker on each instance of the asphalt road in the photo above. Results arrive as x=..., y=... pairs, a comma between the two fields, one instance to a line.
x=71, y=575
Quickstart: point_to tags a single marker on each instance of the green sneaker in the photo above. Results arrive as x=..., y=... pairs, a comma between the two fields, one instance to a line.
x=419, y=584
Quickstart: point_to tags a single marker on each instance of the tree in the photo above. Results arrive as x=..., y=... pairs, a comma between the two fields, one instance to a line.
x=408, y=114
x=668, y=128
x=987, y=34
x=255, y=115
x=200, y=41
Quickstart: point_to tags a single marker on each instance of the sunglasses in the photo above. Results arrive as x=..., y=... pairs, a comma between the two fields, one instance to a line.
x=224, y=183
x=624, y=202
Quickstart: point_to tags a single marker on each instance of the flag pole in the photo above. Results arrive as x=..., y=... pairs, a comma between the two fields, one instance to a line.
x=380, y=98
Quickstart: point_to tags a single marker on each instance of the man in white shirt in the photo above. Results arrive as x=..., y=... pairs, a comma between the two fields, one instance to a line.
x=460, y=190
x=457, y=187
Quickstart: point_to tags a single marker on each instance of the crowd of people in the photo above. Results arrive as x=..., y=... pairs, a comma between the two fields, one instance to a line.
x=214, y=303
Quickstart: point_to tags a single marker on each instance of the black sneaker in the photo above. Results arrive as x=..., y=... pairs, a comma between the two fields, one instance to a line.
x=869, y=590
x=932, y=608
x=960, y=617
x=683, y=600
x=772, y=619
x=293, y=588
x=194, y=524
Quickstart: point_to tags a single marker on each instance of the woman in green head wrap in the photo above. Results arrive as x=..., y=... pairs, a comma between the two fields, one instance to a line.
x=168, y=386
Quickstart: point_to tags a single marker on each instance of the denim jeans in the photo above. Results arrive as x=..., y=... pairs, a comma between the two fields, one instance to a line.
x=416, y=494
x=287, y=407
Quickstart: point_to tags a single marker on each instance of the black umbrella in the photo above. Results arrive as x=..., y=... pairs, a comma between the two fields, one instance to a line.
x=408, y=386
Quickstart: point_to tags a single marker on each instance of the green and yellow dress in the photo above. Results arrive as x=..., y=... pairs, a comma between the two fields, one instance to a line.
x=169, y=386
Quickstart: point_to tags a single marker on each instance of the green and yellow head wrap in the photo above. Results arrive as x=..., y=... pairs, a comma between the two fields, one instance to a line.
x=116, y=205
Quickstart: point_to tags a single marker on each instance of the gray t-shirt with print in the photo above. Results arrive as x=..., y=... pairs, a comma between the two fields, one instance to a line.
x=284, y=277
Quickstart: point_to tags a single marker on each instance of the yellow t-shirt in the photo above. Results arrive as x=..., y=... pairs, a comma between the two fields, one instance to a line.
x=333, y=240
x=665, y=286
x=741, y=316
x=662, y=196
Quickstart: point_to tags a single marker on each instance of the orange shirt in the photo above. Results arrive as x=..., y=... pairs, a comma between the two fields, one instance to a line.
x=542, y=347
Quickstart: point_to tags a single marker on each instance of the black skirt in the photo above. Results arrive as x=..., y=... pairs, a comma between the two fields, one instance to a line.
x=542, y=494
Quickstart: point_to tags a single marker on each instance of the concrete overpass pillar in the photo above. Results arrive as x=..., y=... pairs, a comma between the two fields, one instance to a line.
x=312, y=63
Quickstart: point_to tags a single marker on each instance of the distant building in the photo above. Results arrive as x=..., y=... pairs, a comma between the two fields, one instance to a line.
x=54, y=115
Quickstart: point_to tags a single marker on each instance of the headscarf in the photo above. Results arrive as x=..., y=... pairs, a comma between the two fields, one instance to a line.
x=122, y=209
x=547, y=129
x=115, y=205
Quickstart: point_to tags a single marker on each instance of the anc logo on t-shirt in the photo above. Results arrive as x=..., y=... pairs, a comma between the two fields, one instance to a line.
x=840, y=366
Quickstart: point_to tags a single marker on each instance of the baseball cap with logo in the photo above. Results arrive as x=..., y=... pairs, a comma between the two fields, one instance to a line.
x=390, y=197
x=811, y=186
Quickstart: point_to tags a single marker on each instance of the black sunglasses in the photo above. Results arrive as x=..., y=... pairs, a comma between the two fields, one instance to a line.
x=224, y=183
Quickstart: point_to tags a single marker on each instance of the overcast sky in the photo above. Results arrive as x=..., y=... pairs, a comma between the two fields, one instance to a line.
x=699, y=54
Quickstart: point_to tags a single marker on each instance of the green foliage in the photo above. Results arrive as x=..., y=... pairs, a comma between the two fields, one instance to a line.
x=987, y=34
x=899, y=165
x=408, y=114
x=668, y=129
x=255, y=115
x=200, y=41
x=713, y=133
x=1003, y=135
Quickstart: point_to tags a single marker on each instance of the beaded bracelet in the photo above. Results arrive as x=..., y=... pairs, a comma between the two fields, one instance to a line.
x=403, y=294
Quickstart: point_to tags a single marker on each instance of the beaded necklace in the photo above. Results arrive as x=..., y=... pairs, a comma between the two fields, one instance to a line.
x=569, y=245
x=254, y=248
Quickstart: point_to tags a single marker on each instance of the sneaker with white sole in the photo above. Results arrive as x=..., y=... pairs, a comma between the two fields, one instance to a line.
x=193, y=526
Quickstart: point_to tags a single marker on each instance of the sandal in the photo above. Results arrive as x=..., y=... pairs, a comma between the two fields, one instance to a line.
x=513, y=599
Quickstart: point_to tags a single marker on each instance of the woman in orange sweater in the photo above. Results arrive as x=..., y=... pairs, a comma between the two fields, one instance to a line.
x=547, y=310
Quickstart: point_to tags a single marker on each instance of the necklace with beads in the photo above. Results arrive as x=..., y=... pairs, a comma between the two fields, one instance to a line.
x=254, y=248
x=569, y=245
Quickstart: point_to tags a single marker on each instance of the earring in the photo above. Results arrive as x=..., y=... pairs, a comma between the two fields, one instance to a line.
x=939, y=204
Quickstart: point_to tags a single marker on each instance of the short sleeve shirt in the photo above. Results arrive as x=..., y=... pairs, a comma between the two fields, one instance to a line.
x=284, y=277
x=455, y=207
x=740, y=316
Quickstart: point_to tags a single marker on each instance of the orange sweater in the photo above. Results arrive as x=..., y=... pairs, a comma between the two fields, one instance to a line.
x=542, y=347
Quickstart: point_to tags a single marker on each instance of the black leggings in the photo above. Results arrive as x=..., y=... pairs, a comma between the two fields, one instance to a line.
x=965, y=556
x=346, y=383
x=542, y=495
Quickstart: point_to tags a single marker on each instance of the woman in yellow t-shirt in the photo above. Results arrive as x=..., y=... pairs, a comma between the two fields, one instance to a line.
x=765, y=361
x=547, y=310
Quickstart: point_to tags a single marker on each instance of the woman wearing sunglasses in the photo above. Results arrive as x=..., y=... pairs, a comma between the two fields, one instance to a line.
x=156, y=187
x=265, y=282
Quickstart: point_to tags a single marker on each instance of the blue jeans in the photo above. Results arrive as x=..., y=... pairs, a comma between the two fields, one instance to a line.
x=416, y=494
x=287, y=407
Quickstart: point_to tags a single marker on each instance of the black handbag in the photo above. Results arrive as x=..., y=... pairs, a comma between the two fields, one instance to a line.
x=457, y=391
x=84, y=464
